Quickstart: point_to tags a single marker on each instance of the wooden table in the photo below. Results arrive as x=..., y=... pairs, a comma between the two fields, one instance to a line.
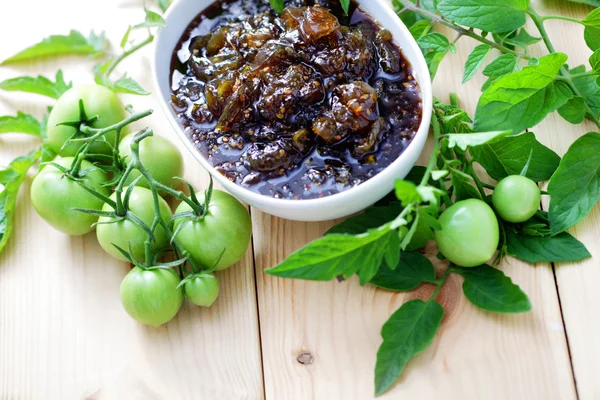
x=64, y=334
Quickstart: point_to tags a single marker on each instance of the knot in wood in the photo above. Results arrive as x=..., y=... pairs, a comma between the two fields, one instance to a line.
x=305, y=358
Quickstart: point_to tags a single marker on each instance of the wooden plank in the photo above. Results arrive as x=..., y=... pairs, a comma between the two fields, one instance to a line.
x=63, y=332
x=577, y=282
x=320, y=339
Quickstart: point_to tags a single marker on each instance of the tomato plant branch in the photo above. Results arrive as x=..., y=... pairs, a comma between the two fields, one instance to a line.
x=96, y=133
x=567, y=78
x=409, y=6
x=127, y=53
x=155, y=186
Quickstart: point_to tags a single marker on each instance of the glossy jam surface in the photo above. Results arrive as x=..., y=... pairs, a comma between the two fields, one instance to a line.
x=300, y=105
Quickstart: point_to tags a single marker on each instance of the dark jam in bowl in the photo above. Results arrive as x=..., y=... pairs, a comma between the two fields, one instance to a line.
x=300, y=105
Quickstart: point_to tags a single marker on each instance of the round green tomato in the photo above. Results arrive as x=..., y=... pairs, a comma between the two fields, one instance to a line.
x=469, y=235
x=160, y=157
x=225, y=227
x=516, y=198
x=151, y=296
x=126, y=233
x=202, y=289
x=97, y=101
x=54, y=196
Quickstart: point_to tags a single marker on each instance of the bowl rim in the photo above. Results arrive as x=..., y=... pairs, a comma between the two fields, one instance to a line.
x=420, y=72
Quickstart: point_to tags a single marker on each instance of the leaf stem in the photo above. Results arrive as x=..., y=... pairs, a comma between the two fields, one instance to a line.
x=126, y=54
x=440, y=283
x=408, y=5
x=471, y=172
x=561, y=17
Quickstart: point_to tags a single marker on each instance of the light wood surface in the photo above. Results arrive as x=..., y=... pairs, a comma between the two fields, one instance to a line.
x=64, y=335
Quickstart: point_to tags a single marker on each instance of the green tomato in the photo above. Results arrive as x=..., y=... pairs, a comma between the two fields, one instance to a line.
x=97, y=101
x=54, y=196
x=516, y=198
x=126, y=233
x=160, y=157
x=202, y=289
x=469, y=235
x=151, y=296
x=225, y=227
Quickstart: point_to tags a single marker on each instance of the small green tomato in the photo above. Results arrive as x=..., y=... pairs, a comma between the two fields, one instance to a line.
x=516, y=198
x=470, y=233
x=223, y=234
x=151, y=296
x=202, y=289
x=98, y=101
x=54, y=196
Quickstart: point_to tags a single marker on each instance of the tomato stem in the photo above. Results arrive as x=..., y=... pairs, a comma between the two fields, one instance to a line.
x=440, y=283
x=409, y=6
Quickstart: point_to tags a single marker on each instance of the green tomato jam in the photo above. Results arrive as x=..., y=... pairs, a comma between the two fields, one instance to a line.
x=300, y=105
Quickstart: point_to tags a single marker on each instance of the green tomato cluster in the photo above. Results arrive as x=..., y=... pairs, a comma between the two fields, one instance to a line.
x=216, y=240
x=469, y=234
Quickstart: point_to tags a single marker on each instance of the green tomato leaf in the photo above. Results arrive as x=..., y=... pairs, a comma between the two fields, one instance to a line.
x=278, y=5
x=591, y=35
x=153, y=20
x=11, y=178
x=533, y=249
x=433, y=60
x=22, y=123
x=406, y=192
x=489, y=289
x=434, y=41
x=40, y=85
x=371, y=218
x=466, y=140
x=589, y=90
x=412, y=270
x=595, y=61
x=523, y=99
x=510, y=155
x=129, y=86
x=452, y=118
x=592, y=19
x=48, y=153
x=522, y=39
x=464, y=189
x=494, y=16
x=59, y=45
x=422, y=231
x=574, y=110
x=345, y=5
x=575, y=186
x=591, y=32
x=164, y=5
x=408, y=332
x=420, y=28
x=475, y=61
x=503, y=65
x=341, y=255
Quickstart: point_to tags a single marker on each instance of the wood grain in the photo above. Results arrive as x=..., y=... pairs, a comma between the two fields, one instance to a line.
x=63, y=332
x=577, y=282
x=64, y=335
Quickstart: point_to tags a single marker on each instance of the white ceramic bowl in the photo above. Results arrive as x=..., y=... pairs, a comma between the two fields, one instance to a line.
x=178, y=17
